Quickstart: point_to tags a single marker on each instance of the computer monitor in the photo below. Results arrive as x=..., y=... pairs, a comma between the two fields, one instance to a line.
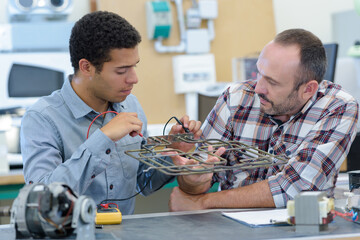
x=331, y=50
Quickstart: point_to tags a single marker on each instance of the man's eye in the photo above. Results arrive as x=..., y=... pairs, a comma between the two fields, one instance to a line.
x=120, y=73
x=273, y=82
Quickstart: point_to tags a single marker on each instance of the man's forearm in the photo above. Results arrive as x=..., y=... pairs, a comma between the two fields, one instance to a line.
x=251, y=196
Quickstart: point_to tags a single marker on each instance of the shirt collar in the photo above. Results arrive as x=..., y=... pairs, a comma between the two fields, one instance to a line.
x=315, y=97
x=312, y=100
x=118, y=107
x=78, y=107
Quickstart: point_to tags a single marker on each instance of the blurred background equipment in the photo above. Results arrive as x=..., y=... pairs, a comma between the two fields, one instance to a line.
x=54, y=211
x=35, y=25
x=25, y=77
x=35, y=10
x=158, y=19
x=195, y=70
x=34, y=60
x=193, y=38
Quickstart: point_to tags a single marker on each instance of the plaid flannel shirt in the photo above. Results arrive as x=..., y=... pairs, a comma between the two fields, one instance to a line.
x=316, y=139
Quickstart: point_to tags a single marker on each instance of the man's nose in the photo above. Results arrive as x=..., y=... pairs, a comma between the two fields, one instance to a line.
x=260, y=87
x=132, y=77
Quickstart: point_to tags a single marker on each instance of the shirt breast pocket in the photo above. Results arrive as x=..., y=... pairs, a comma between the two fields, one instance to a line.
x=129, y=165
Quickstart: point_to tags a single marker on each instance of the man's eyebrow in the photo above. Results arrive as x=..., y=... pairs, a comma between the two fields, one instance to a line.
x=267, y=77
x=270, y=79
x=128, y=66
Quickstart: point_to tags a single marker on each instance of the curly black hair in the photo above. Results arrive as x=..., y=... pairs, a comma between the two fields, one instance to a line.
x=95, y=34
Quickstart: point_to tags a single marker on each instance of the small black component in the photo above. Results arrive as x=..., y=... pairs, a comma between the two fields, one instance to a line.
x=354, y=180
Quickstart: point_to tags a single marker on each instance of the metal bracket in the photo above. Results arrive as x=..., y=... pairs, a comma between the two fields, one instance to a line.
x=247, y=157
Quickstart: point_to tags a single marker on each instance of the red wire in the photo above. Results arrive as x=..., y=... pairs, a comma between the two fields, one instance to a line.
x=87, y=135
x=106, y=205
x=344, y=215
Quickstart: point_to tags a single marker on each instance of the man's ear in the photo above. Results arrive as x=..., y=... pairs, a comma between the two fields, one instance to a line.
x=86, y=67
x=309, y=89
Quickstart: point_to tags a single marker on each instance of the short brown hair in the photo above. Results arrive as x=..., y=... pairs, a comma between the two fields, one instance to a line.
x=313, y=61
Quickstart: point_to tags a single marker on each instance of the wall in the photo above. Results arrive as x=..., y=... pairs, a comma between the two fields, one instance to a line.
x=242, y=28
x=315, y=16
x=345, y=30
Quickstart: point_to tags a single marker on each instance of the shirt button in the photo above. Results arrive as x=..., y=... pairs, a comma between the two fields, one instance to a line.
x=93, y=176
x=108, y=151
x=111, y=186
x=271, y=151
x=287, y=152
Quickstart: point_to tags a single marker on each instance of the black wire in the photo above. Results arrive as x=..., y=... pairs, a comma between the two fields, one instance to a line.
x=178, y=121
x=124, y=199
x=167, y=124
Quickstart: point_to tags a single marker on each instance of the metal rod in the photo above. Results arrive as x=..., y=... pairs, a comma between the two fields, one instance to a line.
x=245, y=156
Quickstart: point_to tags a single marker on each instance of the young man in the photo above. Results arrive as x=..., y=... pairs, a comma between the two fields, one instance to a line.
x=289, y=109
x=54, y=142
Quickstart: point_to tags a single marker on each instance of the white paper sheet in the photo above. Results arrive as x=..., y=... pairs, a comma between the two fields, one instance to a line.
x=260, y=218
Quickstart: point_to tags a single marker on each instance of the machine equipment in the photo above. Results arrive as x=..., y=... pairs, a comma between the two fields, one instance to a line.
x=53, y=211
x=311, y=211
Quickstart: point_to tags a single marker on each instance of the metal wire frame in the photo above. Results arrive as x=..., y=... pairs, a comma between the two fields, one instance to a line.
x=247, y=157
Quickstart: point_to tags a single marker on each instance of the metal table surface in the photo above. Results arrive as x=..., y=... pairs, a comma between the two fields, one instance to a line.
x=209, y=224
x=213, y=225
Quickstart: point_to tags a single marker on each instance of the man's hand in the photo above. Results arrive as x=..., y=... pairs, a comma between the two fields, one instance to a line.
x=196, y=183
x=180, y=201
x=193, y=126
x=122, y=124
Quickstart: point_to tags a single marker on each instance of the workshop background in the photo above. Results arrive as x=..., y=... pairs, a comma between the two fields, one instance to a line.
x=241, y=28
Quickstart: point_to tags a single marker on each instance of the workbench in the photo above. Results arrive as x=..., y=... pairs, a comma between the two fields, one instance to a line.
x=211, y=224
x=207, y=224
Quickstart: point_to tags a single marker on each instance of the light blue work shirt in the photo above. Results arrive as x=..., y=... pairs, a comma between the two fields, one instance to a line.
x=55, y=149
